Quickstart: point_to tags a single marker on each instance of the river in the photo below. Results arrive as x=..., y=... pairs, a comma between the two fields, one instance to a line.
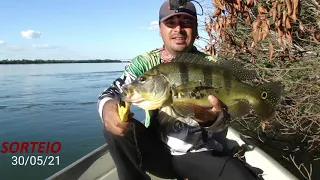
x=52, y=102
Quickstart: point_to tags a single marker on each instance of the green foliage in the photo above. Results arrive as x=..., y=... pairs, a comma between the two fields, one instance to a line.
x=281, y=40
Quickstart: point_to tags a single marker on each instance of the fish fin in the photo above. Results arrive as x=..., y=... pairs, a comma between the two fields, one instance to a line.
x=268, y=97
x=238, y=107
x=148, y=119
x=195, y=58
x=188, y=85
x=233, y=67
x=237, y=69
x=183, y=109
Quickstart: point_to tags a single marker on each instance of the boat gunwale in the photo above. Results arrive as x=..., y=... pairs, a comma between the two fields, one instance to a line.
x=98, y=152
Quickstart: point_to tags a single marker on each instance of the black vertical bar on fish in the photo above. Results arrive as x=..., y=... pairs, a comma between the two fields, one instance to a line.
x=184, y=73
x=227, y=80
x=207, y=76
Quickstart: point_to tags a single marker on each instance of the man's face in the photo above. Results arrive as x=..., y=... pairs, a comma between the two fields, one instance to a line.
x=178, y=33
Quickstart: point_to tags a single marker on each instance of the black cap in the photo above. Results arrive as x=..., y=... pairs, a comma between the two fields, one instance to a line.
x=165, y=12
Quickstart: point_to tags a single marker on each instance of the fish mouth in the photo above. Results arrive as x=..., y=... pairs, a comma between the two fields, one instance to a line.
x=126, y=90
x=129, y=95
x=132, y=99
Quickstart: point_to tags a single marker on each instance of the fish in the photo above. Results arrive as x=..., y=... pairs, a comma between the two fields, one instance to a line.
x=185, y=83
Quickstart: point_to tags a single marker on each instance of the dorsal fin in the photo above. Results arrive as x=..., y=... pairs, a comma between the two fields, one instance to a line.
x=196, y=58
x=233, y=67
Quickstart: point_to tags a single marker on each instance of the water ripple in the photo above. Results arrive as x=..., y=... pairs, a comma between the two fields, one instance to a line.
x=87, y=103
x=3, y=106
x=52, y=102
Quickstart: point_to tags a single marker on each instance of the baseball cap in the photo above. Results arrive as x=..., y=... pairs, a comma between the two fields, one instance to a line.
x=165, y=12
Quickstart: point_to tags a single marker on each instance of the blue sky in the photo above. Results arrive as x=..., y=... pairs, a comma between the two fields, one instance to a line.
x=82, y=29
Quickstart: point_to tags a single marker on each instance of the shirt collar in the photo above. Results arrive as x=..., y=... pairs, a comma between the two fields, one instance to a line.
x=167, y=57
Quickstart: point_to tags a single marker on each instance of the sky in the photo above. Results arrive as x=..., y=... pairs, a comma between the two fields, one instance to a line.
x=78, y=29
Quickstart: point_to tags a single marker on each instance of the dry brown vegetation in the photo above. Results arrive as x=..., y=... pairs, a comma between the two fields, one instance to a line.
x=281, y=40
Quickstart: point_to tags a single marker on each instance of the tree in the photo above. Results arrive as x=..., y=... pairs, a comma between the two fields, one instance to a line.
x=281, y=40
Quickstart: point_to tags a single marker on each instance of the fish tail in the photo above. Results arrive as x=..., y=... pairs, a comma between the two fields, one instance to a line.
x=268, y=96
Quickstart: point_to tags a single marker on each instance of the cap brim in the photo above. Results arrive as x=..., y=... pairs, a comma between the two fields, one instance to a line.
x=175, y=14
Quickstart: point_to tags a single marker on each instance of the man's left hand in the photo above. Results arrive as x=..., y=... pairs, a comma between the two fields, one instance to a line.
x=203, y=115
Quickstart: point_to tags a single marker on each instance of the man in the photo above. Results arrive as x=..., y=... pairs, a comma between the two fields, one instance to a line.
x=168, y=148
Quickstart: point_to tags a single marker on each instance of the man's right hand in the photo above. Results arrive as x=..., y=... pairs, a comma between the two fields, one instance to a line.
x=111, y=118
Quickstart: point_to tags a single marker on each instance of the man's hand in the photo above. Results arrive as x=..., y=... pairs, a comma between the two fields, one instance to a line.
x=111, y=118
x=203, y=115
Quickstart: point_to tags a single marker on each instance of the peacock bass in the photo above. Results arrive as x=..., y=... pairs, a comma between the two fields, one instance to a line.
x=188, y=80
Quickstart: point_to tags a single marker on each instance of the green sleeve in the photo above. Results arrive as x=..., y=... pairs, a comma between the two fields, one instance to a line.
x=143, y=63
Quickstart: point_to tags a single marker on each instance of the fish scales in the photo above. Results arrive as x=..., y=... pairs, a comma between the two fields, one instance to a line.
x=221, y=83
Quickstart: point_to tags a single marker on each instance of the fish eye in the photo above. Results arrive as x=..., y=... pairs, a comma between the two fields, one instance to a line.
x=264, y=95
x=142, y=78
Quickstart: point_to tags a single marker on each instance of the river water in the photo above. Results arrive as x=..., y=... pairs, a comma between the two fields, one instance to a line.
x=52, y=102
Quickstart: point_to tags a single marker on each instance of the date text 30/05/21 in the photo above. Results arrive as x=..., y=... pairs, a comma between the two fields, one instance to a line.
x=35, y=160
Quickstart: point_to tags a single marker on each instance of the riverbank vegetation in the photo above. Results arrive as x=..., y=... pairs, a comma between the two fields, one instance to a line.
x=281, y=40
x=40, y=61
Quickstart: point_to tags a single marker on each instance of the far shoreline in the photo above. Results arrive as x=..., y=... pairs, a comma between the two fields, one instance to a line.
x=4, y=62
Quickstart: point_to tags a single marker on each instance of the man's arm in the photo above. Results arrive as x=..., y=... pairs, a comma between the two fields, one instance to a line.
x=114, y=91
